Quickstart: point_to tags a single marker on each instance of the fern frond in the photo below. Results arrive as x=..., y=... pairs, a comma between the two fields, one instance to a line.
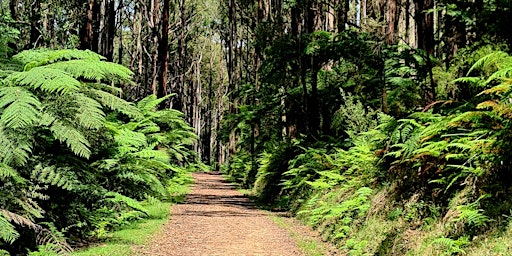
x=126, y=137
x=46, y=79
x=498, y=89
x=19, y=220
x=106, y=164
x=131, y=176
x=16, y=147
x=73, y=138
x=51, y=176
x=44, y=56
x=468, y=80
x=149, y=128
x=470, y=116
x=7, y=231
x=89, y=113
x=149, y=103
x=115, y=103
x=20, y=107
x=93, y=70
x=149, y=153
x=117, y=198
x=155, y=184
x=52, y=236
x=488, y=104
x=490, y=61
x=8, y=172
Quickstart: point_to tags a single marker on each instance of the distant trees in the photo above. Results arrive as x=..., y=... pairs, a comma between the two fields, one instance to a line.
x=221, y=56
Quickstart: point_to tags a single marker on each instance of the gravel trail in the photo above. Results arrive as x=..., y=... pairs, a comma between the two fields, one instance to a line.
x=216, y=219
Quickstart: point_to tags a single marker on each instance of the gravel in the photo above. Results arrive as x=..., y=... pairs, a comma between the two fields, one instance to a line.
x=216, y=219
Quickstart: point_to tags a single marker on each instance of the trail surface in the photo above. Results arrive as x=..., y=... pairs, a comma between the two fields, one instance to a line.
x=216, y=219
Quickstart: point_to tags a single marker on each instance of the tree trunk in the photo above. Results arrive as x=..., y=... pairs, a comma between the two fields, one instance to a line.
x=35, y=18
x=341, y=15
x=121, y=34
x=163, y=49
x=391, y=21
x=111, y=31
x=96, y=28
x=425, y=35
x=86, y=38
x=13, y=7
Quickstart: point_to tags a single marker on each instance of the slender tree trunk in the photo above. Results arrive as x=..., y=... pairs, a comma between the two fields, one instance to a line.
x=111, y=31
x=425, y=35
x=341, y=14
x=391, y=10
x=96, y=27
x=13, y=7
x=35, y=18
x=163, y=51
x=86, y=32
x=121, y=33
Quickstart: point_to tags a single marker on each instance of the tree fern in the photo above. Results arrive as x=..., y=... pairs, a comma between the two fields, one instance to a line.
x=94, y=70
x=20, y=107
x=45, y=56
x=89, y=112
x=45, y=79
x=7, y=231
x=114, y=103
x=16, y=146
x=119, y=199
x=73, y=138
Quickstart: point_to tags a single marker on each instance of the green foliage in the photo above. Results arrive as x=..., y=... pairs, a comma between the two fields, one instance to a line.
x=353, y=116
x=448, y=246
x=445, y=170
x=8, y=232
x=76, y=156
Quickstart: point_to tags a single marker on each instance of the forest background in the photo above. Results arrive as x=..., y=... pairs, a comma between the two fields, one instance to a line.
x=360, y=117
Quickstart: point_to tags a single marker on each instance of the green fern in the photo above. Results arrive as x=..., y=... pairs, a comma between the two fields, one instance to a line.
x=73, y=138
x=114, y=103
x=45, y=79
x=119, y=199
x=7, y=231
x=52, y=176
x=7, y=172
x=449, y=246
x=20, y=107
x=45, y=56
x=89, y=112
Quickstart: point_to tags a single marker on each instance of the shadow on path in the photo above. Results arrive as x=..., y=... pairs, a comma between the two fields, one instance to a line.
x=216, y=191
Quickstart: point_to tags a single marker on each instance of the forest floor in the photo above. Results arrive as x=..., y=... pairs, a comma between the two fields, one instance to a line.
x=216, y=219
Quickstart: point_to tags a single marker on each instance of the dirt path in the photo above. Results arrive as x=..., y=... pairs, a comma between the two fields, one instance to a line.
x=216, y=219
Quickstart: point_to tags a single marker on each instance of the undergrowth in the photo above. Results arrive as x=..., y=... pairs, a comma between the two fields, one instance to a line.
x=436, y=182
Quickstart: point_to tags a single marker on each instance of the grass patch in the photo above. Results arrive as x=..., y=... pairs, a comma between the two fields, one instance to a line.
x=308, y=246
x=121, y=242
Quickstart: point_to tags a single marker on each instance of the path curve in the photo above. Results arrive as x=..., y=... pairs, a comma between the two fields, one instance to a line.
x=218, y=220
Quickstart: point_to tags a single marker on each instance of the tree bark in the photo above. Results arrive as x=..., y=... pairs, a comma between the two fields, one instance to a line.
x=86, y=38
x=425, y=35
x=163, y=51
x=120, y=50
x=35, y=18
x=391, y=21
x=13, y=7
